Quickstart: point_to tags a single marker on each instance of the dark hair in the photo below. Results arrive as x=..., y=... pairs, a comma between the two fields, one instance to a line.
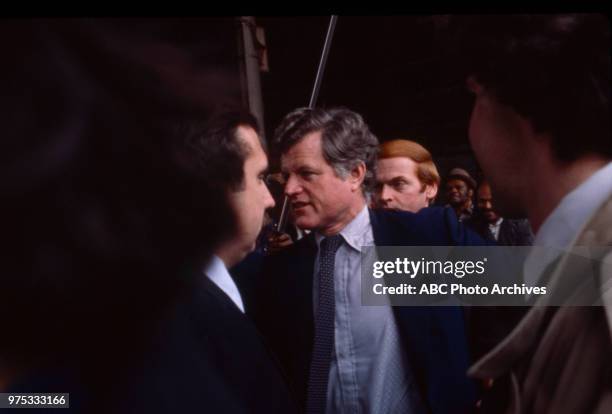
x=346, y=139
x=103, y=224
x=552, y=69
x=214, y=149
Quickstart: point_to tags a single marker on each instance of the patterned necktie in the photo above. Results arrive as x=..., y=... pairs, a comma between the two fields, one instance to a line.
x=324, y=328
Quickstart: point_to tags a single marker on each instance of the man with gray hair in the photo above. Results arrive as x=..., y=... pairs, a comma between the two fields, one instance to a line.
x=341, y=356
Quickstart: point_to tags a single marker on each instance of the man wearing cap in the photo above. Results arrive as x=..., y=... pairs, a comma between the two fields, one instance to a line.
x=460, y=188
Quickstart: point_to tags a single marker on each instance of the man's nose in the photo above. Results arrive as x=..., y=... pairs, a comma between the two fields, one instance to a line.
x=292, y=186
x=268, y=199
x=385, y=193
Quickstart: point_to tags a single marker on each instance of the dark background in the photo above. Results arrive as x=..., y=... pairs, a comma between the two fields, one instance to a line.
x=396, y=71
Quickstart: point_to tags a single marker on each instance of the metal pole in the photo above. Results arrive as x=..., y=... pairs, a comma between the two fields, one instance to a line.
x=322, y=62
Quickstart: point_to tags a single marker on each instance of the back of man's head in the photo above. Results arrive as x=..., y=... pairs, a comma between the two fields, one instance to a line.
x=214, y=149
x=230, y=152
x=554, y=70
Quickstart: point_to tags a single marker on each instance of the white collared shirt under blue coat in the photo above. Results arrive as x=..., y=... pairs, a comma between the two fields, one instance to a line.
x=368, y=372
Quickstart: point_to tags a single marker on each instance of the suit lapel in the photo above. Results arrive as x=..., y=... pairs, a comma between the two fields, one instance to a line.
x=380, y=228
x=220, y=296
x=412, y=322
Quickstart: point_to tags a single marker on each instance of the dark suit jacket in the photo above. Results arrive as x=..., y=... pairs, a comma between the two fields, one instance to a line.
x=434, y=338
x=490, y=324
x=208, y=357
x=511, y=232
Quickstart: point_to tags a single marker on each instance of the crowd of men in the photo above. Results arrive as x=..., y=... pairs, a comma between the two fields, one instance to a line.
x=130, y=200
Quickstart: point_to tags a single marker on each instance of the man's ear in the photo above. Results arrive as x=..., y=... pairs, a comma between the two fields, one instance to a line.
x=431, y=191
x=357, y=176
x=470, y=193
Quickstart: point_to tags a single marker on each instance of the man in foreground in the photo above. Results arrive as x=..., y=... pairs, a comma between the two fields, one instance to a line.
x=542, y=88
x=209, y=355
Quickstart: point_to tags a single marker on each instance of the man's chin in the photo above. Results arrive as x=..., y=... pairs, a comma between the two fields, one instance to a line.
x=393, y=208
x=305, y=223
x=491, y=218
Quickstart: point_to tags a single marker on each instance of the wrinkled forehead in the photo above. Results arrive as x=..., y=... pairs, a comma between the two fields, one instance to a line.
x=306, y=152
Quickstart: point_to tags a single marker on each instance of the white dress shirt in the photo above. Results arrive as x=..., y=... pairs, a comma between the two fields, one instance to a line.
x=563, y=225
x=218, y=274
x=368, y=368
x=494, y=228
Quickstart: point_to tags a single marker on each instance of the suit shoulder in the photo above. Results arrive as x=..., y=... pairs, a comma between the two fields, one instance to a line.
x=430, y=226
x=429, y=215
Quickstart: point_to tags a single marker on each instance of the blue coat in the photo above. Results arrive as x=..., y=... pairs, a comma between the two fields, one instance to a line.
x=434, y=338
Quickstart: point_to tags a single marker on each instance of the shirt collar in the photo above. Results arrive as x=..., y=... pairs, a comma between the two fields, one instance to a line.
x=217, y=272
x=355, y=233
x=497, y=223
x=563, y=225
